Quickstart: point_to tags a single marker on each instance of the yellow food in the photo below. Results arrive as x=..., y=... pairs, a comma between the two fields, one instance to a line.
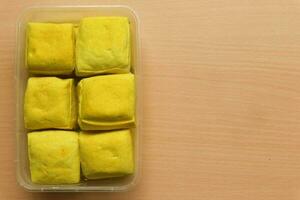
x=49, y=103
x=106, y=154
x=50, y=48
x=103, y=46
x=106, y=102
x=54, y=157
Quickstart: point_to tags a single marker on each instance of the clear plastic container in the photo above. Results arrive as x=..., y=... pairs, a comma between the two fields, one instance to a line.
x=72, y=14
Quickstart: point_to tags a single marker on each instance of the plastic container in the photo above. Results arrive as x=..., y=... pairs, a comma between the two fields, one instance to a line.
x=72, y=14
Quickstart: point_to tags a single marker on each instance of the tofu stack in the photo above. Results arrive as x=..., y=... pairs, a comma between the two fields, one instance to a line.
x=79, y=103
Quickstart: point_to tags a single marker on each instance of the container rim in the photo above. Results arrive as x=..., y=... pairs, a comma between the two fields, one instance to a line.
x=70, y=6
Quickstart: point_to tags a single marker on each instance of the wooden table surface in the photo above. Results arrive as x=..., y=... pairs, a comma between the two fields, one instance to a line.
x=221, y=101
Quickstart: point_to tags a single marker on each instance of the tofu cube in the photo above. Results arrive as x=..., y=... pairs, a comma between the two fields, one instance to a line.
x=106, y=154
x=106, y=102
x=49, y=103
x=103, y=46
x=50, y=48
x=54, y=157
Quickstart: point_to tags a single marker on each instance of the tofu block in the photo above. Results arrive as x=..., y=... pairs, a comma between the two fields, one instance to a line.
x=106, y=154
x=50, y=103
x=50, y=48
x=106, y=102
x=103, y=46
x=54, y=157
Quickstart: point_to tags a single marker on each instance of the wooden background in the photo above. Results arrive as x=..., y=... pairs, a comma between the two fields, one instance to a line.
x=221, y=101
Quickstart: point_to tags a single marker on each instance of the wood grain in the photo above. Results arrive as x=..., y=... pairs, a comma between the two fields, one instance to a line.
x=221, y=101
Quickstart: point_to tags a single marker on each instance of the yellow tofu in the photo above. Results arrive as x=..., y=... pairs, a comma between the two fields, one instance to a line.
x=54, y=157
x=106, y=102
x=49, y=103
x=106, y=154
x=103, y=46
x=50, y=48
